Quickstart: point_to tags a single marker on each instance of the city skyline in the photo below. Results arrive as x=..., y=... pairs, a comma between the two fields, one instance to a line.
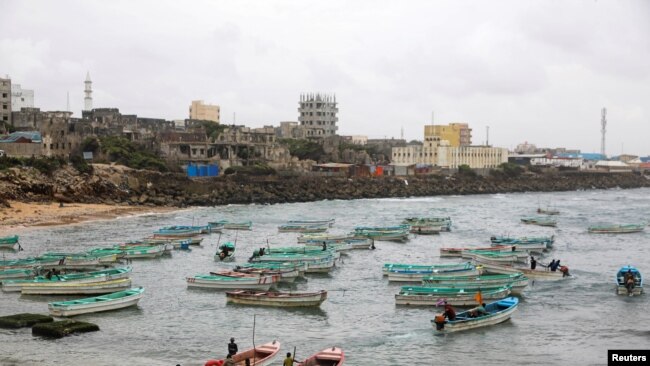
x=537, y=72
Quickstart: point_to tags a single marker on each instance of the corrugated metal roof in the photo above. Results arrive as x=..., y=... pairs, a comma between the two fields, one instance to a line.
x=35, y=136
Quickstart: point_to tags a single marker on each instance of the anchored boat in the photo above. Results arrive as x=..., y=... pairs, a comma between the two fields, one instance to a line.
x=112, y=301
x=280, y=299
x=629, y=281
x=8, y=242
x=540, y=221
x=434, y=296
x=226, y=252
x=328, y=357
x=227, y=280
x=258, y=356
x=617, y=229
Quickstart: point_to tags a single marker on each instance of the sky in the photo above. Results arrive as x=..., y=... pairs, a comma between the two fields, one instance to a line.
x=535, y=71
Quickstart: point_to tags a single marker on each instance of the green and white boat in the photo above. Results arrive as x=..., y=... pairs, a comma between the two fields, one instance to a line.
x=12, y=274
x=232, y=225
x=76, y=288
x=227, y=280
x=390, y=267
x=617, y=229
x=16, y=285
x=398, y=233
x=295, y=228
x=539, y=221
x=8, y=242
x=434, y=296
x=111, y=301
x=517, y=281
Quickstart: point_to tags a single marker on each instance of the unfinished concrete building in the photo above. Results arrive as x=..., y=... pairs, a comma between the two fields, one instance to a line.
x=318, y=114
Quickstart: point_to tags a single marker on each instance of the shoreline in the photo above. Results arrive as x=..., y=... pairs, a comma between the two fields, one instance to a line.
x=27, y=216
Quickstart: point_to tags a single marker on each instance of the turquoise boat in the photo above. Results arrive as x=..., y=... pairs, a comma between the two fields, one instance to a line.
x=8, y=242
x=444, y=222
x=517, y=282
x=434, y=296
x=617, y=229
x=180, y=231
x=392, y=267
x=226, y=252
x=10, y=274
x=504, y=240
x=540, y=221
x=111, y=301
x=232, y=225
x=89, y=277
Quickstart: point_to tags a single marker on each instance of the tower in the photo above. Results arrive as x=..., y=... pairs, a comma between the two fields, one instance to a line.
x=603, y=130
x=88, y=91
x=317, y=112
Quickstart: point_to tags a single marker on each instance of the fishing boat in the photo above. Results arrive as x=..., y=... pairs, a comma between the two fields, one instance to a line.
x=320, y=237
x=226, y=252
x=388, y=233
x=228, y=280
x=280, y=299
x=532, y=274
x=516, y=281
x=12, y=274
x=434, y=296
x=442, y=221
x=388, y=267
x=343, y=245
x=617, y=229
x=295, y=256
x=328, y=357
x=8, y=242
x=539, y=221
x=622, y=287
x=258, y=356
x=178, y=231
x=288, y=271
x=232, y=225
x=177, y=242
x=112, y=301
x=76, y=288
x=425, y=229
x=28, y=263
x=458, y=252
x=497, y=312
x=504, y=240
x=16, y=285
x=295, y=228
x=418, y=274
x=143, y=252
x=325, y=222
x=80, y=260
x=496, y=257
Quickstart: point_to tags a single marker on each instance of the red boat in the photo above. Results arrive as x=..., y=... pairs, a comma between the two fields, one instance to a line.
x=328, y=357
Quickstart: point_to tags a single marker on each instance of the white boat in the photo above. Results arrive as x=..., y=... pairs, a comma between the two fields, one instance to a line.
x=72, y=288
x=418, y=275
x=320, y=237
x=233, y=281
x=280, y=299
x=532, y=274
x=328, y=222
x=497, y=312
x=94, y=277
x=112, y=301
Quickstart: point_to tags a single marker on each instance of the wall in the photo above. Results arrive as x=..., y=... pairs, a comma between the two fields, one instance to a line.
x=25, y=150
x=21, y=98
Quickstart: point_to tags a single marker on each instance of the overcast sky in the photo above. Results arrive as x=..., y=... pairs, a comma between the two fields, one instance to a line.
x=536, y=71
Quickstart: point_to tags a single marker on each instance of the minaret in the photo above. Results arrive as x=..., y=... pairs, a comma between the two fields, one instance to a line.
x=88, y=90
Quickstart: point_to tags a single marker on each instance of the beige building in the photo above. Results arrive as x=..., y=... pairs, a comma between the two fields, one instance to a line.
x=438, y=152
x=205, y=112
x=458, y=134
x=5, y=101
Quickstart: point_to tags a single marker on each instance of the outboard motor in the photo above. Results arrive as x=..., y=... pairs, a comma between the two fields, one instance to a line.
x=440, y=322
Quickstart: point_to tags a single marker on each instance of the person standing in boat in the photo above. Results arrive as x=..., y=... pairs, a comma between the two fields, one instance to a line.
x=232, y=347
x=450, y=313
x=533, y=262
x=324, y=246
x=629, y=281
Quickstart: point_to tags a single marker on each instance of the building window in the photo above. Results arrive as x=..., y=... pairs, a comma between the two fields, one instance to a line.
x=4, y=106
x=4, y=95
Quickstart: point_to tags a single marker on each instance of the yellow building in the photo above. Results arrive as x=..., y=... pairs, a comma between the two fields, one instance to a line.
x=206, y=112
x=458, y=134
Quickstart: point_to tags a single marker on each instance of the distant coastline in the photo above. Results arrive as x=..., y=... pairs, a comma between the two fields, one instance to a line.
x=123, y=187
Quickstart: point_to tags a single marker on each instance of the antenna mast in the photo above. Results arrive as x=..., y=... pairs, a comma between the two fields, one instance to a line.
x=487, y=135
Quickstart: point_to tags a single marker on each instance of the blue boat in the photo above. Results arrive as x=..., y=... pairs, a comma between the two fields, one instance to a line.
x=629, y=281
x=497, y=312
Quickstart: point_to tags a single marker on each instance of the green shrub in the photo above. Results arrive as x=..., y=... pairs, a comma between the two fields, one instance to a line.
x=80, y=164
x=466, y=171
x=125, y=152
x=304, y=149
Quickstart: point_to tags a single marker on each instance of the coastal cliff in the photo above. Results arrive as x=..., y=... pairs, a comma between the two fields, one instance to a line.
x=120, y=185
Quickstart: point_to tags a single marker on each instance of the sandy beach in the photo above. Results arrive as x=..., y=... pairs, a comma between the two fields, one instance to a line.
x=28, y=215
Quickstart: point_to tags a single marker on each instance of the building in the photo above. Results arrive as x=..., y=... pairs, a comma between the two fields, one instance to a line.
x=318, y=114
x=5, y=101
x=458, y=134
x=88, y=93
x=205, y=112
x=440, y=153
x=22, y=144
x=356, y=139
x=21, y=98
x=293, y=130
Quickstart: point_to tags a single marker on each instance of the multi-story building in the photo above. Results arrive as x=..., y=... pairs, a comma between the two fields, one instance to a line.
x=317, y=113
x=205, y=112
x=5, y=101
x=458, y=134
x=439, y=152
x=21, y=98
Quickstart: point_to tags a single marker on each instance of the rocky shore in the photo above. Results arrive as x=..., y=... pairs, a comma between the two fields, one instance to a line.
x=119, y=185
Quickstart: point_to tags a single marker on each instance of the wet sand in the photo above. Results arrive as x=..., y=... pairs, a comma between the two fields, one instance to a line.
x=29, y=215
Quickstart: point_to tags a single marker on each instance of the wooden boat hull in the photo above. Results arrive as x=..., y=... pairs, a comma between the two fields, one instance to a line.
x=328, y=357
x=259, y=356
x=58, y=309
x=417, y=277
x=510, y=306
x=466, y=299
x=278, y=299
x=535, y=275
x=17, y=286
x=263, y=283
x=104, y=287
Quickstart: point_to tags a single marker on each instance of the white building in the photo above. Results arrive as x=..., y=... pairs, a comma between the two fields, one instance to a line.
x=21, y=98
x=438, y=152
x=558, y=162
